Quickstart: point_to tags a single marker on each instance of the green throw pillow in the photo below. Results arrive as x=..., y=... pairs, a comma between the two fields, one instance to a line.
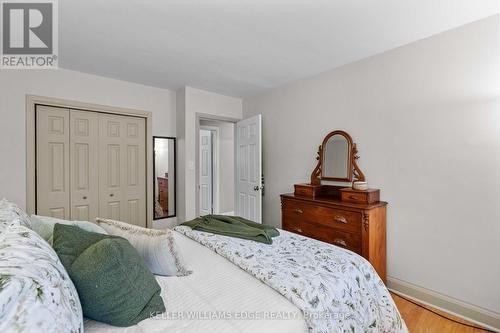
x=113, y=282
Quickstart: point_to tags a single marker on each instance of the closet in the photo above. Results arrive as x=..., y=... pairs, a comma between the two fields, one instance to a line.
x=90, y=164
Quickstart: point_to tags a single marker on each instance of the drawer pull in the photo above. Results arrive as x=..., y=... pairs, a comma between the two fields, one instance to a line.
x=340, y=219
x=340, y=242
x=353, y=197
x=298, y=211
x=298, y=230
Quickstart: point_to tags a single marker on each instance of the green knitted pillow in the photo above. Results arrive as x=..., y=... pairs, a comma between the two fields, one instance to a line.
x=113, y=282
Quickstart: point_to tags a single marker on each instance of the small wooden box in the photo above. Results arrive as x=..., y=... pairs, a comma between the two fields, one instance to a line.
x=307, y=190
x=369, y=196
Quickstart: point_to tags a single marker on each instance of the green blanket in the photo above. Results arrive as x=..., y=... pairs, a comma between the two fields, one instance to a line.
x=234, y=226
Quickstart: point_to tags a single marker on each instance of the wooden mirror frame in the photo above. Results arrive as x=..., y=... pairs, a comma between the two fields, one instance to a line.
x=356, y=174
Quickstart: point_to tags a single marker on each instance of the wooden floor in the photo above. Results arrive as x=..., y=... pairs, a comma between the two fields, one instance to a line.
x=421, y=320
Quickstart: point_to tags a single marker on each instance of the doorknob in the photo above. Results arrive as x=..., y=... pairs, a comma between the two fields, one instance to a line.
x=111, y=195
x=256, y=188
x=84, y=198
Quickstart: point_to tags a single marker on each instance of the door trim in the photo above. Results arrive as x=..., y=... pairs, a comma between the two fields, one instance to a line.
x=32, y=101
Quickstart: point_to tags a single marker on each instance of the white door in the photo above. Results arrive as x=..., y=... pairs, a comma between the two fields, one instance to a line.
x=122, y=181
x=134, y=170
x=84, y=150
x=206, y=175
x=111, y=157
x=248, y=187
x=52, y=162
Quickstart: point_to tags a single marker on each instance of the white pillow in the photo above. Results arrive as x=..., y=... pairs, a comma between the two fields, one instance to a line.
x=44, y=226
x=156, y=247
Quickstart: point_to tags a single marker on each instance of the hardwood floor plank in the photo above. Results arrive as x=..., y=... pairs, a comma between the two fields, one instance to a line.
x=419, y=319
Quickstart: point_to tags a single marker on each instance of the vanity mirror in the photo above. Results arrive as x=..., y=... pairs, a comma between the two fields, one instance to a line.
x=337, y=157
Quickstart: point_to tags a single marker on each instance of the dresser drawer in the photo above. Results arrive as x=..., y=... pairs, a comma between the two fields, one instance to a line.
x=330, y=219
x=364, y=197
x=347, y=240
x=343, y=220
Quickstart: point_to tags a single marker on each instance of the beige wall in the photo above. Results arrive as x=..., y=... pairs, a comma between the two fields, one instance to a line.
x=226, y=163
x=71, y=85
x=426, y=118
x=190, y=103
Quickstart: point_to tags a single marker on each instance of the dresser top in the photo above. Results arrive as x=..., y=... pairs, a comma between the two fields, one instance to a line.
x=334, y=202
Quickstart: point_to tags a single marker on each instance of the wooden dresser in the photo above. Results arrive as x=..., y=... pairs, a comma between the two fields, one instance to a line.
x=163, y=193
x=350, y=216
x=340, y=219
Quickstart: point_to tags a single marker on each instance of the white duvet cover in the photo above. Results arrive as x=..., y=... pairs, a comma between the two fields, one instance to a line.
x=217, y=297
x=336, y=289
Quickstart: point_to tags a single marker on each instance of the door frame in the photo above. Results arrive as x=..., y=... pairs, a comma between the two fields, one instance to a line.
x=206, y=116
x=33, y=100
x=215, y=168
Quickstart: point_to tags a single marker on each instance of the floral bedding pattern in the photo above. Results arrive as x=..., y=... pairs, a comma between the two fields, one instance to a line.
x=10, y=212
x=336, y=289
x=36, y=293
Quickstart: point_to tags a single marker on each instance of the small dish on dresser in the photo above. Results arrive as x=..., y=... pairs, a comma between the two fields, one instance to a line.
x=360, y=186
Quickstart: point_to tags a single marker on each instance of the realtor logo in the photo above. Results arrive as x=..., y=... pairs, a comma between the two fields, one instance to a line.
x=29, y=34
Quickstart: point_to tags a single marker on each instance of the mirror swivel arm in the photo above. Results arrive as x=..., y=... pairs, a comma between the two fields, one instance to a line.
x=358, y=174
x=316, y=174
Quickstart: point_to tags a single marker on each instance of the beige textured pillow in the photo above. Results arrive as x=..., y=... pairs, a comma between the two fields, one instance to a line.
x=156, y=247
x=44, y=226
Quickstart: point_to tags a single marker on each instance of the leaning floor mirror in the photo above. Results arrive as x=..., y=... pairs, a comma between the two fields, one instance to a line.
x=164, y=177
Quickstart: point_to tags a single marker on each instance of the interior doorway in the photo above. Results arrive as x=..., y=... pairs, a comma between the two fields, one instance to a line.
x=216, y=167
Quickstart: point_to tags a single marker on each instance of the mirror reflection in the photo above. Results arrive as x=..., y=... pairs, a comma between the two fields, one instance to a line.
x=164, y=177
x=336, y=157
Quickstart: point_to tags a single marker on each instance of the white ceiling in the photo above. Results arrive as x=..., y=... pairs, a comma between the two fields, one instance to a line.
x=243, y=47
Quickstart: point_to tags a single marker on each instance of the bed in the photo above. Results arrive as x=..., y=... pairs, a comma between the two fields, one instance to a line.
x=229, y=293
x=216, y=287
x=295, y=284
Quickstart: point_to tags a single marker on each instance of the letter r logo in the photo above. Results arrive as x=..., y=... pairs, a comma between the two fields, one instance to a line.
x=27, y=28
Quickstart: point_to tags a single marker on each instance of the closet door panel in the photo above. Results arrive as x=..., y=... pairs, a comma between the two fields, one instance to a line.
x=90, y=164
x=84, y=140
x=134, y=176
x=111, y=161
x=113, y=211
x=52, y=162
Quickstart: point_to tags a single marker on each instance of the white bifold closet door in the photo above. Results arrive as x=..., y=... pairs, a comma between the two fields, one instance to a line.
x=84, y=163
x=122, y=180
x=52, y=162
x=90, y=165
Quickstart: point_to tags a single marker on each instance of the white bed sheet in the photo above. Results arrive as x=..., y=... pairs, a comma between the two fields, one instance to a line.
x=215, y=288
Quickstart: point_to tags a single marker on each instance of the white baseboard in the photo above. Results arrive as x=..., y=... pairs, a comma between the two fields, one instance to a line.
x=227, y=213
x=475, y=314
